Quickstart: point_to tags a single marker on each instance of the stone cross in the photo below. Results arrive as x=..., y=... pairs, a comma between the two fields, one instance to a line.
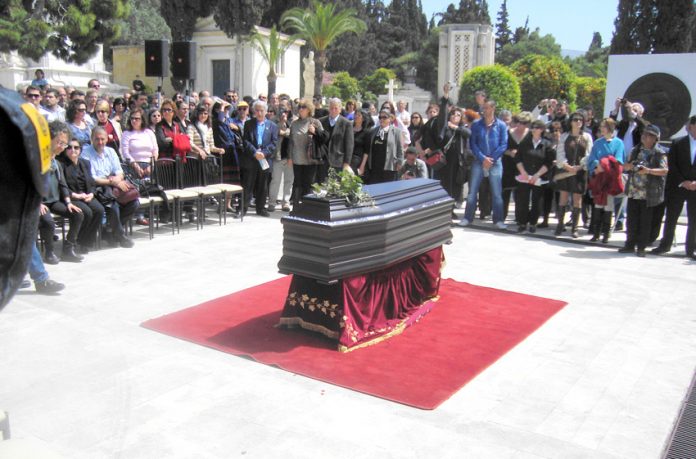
x=391, y=87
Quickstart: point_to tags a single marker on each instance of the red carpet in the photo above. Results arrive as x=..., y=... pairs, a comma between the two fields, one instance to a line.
x=469, y=328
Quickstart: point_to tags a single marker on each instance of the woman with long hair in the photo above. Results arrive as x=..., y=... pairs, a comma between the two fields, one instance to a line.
x=167, y=129
x=362, y=125
x=138, y=149
x=570, y=179
x=200, y=131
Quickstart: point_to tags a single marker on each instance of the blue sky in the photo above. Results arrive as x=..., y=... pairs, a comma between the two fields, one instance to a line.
x=571, y=23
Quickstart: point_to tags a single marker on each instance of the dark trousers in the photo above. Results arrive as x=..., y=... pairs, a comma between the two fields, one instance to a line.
x=638, y=221
x=674, y=204
x=47, y=228
x=485, y=202
x=118, y=215
x=255, y=181
x=523, y=214
x=381, y=176
x=305, y=176
x=547, y=197
x=93, y=213
x=75, y=218
x=507, y=193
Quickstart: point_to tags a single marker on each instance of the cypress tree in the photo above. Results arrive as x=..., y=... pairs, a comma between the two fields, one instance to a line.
x=503, y=33
x=674, y=26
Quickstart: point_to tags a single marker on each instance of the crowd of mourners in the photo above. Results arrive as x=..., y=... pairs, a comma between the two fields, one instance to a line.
x=599, y=175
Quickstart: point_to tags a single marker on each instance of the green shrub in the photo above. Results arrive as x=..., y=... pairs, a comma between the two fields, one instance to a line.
x=376, y=81
x=344, y=87
x=499, y=83
x=544, y=77
x=590, y=91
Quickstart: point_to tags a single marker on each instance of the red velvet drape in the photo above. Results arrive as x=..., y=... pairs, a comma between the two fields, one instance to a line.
x=364, y=309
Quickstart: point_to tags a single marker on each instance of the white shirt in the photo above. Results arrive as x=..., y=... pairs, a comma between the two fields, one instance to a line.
x=692, y=146
x=628, y=138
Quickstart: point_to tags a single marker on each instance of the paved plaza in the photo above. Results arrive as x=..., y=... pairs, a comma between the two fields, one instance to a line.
x=604, y=378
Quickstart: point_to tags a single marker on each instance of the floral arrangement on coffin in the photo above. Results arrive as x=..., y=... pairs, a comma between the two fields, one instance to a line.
x=344, y=184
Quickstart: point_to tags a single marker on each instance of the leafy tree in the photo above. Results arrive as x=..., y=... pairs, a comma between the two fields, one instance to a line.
x=653, y=26
x=181, y=15
x=360, y=54
x=144, y=23
x=71, y=30
x=543, y=77
x=238, y=17
x=320, y=26
x=521, y=33
x=376, y=81
x=344, y=87
x=503, y=34
x=272, y=48
x=499, y=83
x=426, y=66
x=674, y=24
x=468, y=11
x=275, y=10
x=533, y=44
x=590, y=91
x=594, y=62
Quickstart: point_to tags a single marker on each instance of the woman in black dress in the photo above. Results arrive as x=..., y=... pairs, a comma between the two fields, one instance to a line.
x=362, y=125
x=520, y=130
x=78, y=177
x=570, y=178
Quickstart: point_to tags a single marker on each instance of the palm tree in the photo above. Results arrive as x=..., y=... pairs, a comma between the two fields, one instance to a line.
x=272, y=48
x=319, y=27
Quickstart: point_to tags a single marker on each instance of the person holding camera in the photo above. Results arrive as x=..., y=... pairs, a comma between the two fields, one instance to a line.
x=413, y=167
x=645, y=189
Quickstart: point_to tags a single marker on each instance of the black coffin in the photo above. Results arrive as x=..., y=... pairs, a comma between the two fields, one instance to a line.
x=325, y=240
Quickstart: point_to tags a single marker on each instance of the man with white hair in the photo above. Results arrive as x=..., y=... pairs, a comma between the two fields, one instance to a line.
x=339, y=144
x=261, y=140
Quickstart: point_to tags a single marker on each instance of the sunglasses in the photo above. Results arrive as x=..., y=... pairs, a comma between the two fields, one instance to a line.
x=300, y=107
x=384, y=117
x=74, y=147
x=102, y=111
x=34, y=96
x=81, y=110
x=578, y=120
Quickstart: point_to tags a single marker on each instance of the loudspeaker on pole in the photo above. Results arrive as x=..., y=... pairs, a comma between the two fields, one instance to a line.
x=156, y=58
x=184, y=60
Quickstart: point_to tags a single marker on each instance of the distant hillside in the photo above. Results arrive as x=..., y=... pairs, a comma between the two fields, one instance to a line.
x=571, y=53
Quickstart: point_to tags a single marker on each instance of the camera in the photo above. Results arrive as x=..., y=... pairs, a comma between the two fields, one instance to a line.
x=623, y=100
x=638, y=165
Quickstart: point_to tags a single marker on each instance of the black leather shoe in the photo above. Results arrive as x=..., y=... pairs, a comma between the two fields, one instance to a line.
x=532, y=228
x=70, y=255
x=263, y=213
x=48, y=286
x=25, y=284
x=619, y=226
x=51, y=259
x=691, y=255
x=521, y=228
x=641, y=253
x=126, y=242
x=659, y=249
x=543, y=224
x=628, y=250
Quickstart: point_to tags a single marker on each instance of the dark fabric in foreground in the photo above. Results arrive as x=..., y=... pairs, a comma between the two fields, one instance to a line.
x=470, y=328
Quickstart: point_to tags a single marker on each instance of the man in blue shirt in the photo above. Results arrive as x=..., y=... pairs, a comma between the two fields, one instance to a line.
x=107, y=173
x=489, y=138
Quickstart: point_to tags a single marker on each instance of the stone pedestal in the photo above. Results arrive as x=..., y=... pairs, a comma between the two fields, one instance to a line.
x=463, y=47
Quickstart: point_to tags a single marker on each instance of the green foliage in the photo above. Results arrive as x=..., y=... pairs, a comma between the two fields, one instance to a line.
x=468, y=12
x=654, y=26
x=525, y=45
x=376, y=81
x=499, y=83
x=590, y=91
x=271, y=48
x=238, y=17
x=426, y=66
x=144, y=23
x=320, y=26
x=344, y=86
x=344, y=185
x=503, y=34
x=71, y=30
x=181, y=15
x=543, y=77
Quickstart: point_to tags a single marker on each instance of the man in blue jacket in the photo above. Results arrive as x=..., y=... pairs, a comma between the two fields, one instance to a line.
x=261, y=139
x=489, y=138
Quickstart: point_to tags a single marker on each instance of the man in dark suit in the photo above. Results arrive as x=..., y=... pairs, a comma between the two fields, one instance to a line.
x=681, y=186
x=261, y=140
x=339, y=140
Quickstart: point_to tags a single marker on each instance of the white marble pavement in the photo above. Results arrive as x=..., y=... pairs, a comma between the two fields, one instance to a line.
x=604, y=378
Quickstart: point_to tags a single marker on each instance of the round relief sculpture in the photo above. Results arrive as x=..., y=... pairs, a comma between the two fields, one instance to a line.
x=666, y=99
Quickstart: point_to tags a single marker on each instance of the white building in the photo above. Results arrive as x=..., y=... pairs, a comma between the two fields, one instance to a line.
x=227, y=63
x=17, y=71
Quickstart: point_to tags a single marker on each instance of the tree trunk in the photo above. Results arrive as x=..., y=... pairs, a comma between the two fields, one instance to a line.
x=321, y=66
x=272, y=79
